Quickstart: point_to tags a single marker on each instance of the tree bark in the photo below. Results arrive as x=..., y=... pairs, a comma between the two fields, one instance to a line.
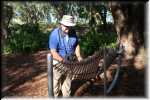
x=129, y=24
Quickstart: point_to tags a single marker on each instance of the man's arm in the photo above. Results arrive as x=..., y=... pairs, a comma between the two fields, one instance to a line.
x=56, y=56
x=53, y=43
x=77, y=52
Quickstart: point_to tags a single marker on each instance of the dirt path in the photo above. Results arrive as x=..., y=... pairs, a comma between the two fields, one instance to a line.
x=26, y=76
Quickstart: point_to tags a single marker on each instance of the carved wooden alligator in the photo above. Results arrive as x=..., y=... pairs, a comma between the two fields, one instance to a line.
x=90, y=68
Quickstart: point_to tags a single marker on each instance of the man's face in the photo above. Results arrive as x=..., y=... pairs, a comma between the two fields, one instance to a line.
x=65, y=28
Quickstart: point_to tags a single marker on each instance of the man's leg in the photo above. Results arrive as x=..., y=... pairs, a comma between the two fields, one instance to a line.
x=66, y=87
x=56, y=80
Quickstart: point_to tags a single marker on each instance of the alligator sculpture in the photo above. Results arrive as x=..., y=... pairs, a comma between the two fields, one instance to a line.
x=90, y=69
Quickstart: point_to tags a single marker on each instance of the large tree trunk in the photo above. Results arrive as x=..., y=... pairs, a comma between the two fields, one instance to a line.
x=6, y=17
x=130, y=25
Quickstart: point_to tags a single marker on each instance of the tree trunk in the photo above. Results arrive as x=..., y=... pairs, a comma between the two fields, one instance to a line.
x=6, y=17
x=130, y=27
x=129, y=24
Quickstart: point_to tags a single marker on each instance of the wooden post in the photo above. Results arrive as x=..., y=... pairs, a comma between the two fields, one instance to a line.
x=50, y=74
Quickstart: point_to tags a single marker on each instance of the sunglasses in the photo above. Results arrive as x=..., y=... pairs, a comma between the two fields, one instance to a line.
x=68, y=27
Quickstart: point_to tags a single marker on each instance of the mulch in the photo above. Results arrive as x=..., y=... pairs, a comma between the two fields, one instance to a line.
x=25, y=75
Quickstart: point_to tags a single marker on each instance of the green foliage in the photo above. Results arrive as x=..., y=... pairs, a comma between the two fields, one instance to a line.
x=32, y=37
x=25, y=38
x=93, y=40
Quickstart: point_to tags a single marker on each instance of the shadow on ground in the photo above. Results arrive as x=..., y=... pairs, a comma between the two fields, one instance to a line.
x=25, y=75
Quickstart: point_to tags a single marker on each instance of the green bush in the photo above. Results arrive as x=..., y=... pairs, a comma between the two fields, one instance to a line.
x=25, y=38
x=93, y=40
x=30, y=38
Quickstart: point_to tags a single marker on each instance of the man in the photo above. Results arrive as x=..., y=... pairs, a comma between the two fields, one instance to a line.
x=63, y=43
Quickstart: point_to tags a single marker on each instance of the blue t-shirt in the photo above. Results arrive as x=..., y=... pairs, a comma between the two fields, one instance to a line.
x=63, y=44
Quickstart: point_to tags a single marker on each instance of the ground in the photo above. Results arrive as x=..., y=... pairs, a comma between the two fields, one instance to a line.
x=25, y=75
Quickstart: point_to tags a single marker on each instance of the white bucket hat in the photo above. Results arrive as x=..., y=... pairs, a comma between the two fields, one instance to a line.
x=68, y=20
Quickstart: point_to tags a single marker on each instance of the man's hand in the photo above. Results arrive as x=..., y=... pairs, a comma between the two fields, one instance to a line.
x=77, y=52
x=79, y=58
x=56, y=56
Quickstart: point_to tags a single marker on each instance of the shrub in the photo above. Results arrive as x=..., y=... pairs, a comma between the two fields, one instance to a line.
x=93, y=40
x=25, y=38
